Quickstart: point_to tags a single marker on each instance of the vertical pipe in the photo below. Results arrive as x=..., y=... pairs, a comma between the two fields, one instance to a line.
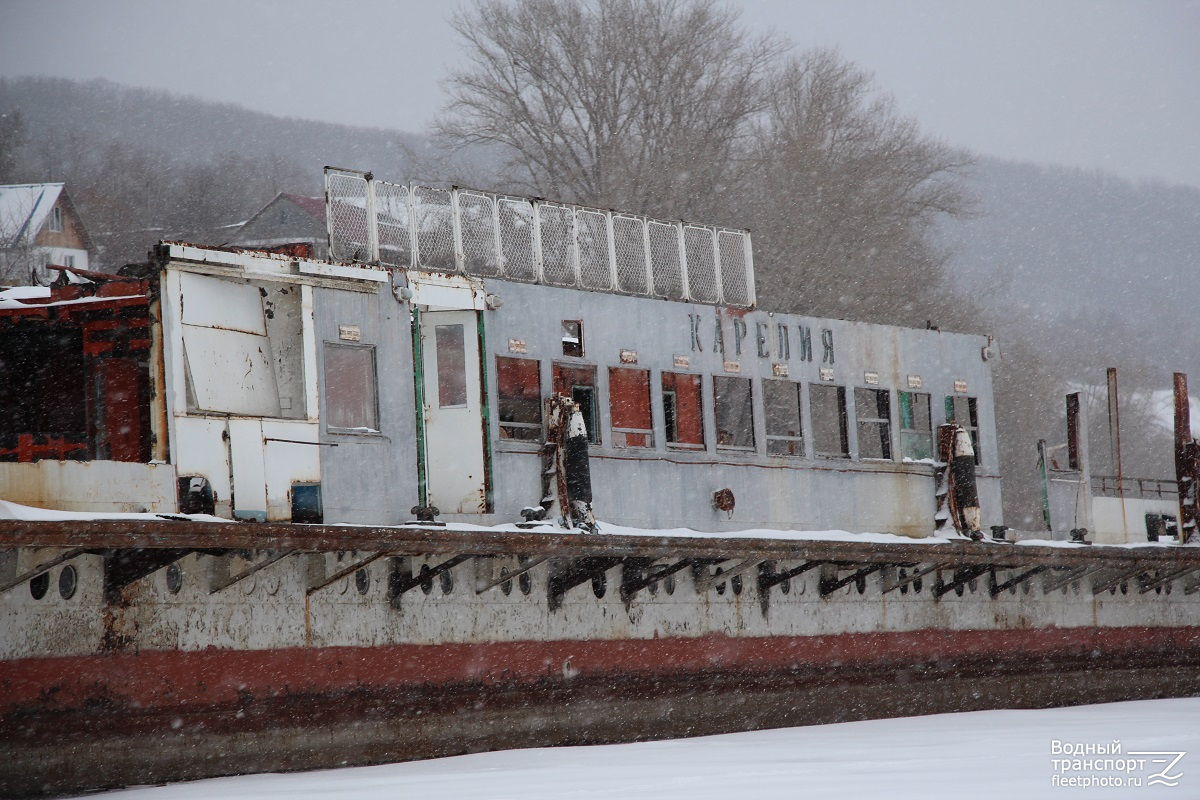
x=1043, y=469
x=1114, y=438
x=1185, y=466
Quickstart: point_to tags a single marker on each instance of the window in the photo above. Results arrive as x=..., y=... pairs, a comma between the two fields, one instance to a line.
x=68, y=261
x=682, y=404
x=629, y=407
x=519, y=386
x=451, y=365
x=572, y=338
x=830, y=439
x=964, y=411
x=579, y=384
x=56, y=219
x=781, y=404
x=916, y=427
x=350, y=387
x=734, y=406
x=874, y=410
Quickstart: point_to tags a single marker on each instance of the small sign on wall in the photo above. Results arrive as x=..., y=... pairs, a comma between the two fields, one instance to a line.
x=681, y=362
x=349, y=333
x=914, y=381
x=516, y=345
x=779, y=370
x=629, y=356
x=960, y=385
x=871, y=378
x=733, y=366
x=826, y=373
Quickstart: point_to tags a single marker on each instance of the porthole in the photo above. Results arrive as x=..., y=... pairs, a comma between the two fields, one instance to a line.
x=174, y=576
x=343, y=585
x=1167, y=588
x=973, y=584
x=917, y=584
x=1075, y=588
x=599, y=584
x=958, y=590
x=903, y=574
x=447, y=581
x=426, y=579
x=735, y=583
x=68, y=582
x=860, y=583
x=39, y=585
x=1112, y=590
x=1158, y=589
x=271, y=585
x=248, y=584
x=1124, y=587
x=524, y=580
x=786, y=586
x=1025, y=587
x=669, y=583
x=653, y=588
x=362, y=581
x=506, y=586
x=721, y=585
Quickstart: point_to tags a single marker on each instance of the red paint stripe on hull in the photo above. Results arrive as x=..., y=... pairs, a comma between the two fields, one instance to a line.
x=182, y=678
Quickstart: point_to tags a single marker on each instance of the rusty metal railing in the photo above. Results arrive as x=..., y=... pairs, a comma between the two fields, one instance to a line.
x=1144, y=488
x=525, y=239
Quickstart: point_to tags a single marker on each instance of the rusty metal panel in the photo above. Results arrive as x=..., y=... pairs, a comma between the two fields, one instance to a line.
x=90, y=486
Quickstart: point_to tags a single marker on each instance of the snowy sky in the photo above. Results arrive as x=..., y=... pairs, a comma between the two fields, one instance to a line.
x=1091, y=83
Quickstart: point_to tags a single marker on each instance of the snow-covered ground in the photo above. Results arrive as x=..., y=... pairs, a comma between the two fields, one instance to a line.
x=982, y=755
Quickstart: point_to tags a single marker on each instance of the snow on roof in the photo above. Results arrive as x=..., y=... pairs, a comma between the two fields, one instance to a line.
x=312, y=205
x=23, y=210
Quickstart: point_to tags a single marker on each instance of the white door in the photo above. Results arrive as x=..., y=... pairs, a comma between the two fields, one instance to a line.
x=455, y=459
x=248, y=468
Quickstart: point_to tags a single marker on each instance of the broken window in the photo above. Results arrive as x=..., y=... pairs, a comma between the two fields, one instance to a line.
x=733, y=402
x=682, y=410
x=451, y=357
x=629, y=407
x=572, y=338
x=519, y=389
x=873, y=408
x=350, y=397
x=916, y=427
x=579, y=384
x=781, y=404
x=830, y=438
x=964, y=411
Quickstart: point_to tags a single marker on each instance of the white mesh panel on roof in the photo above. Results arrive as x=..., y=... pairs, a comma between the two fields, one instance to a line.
x=629, y=244
x=735, y=289
x=435, y=229
x=664, y=256
x=393, y=223
x=557, y=231
x=595, y=269
x=700, y=251
x=516, y=239
x=346, y=205
x=477, y=229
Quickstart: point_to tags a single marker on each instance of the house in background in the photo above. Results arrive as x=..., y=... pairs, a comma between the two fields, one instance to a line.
x=289, y=222
x=39, y=227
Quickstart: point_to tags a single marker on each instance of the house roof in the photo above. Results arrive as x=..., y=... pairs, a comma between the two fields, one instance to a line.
x=313, y=205
x=23, y=210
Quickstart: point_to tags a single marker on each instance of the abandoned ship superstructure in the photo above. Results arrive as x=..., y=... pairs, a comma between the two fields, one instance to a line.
x=777, y=541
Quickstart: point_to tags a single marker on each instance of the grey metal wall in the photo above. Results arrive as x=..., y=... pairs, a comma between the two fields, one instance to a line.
x=370, y=477
x=664, y=488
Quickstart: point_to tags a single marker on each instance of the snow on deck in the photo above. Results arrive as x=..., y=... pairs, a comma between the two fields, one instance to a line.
x=15, y=511
x=983, y=755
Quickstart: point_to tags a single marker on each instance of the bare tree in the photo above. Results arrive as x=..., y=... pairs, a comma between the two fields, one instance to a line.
x=843, y=194
x=639, y=104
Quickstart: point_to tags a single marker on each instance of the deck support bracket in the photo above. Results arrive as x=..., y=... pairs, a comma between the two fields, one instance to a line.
x=482, y=585
x=831, y=585
x=32, y=573
x=400, y=583
x=1116, y=579
x=708, y=580
x=768, y=580
x=1165, y=578
x=634, y=581
x=1056, y=582
x=352, y=568
x=997, y=588
x=219, y=583
x=580, y=570
x=917, y=574
x=962, y=577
